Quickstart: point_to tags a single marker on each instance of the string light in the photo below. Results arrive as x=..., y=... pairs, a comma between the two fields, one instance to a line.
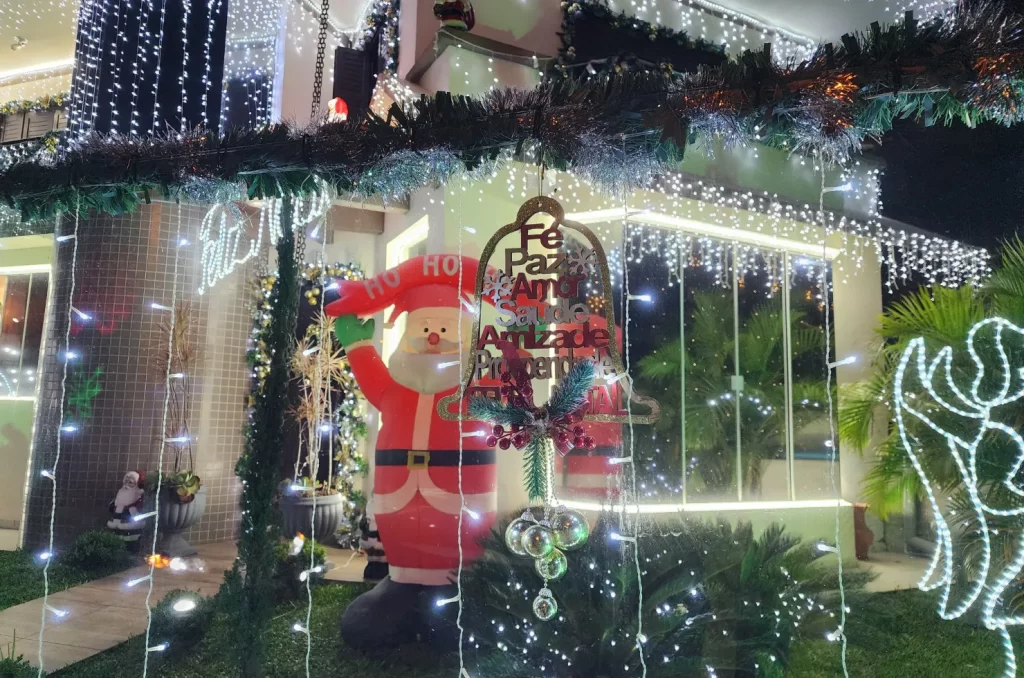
x=47, y=555
x=733, y=30
x=222, y=233
x=905, y=254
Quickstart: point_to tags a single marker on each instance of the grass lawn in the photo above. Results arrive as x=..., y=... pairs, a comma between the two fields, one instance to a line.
x=899, y=635
x=21, y=577
x=892, y=635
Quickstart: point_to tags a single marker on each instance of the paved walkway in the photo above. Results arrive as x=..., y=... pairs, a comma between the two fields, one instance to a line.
x=107, y=612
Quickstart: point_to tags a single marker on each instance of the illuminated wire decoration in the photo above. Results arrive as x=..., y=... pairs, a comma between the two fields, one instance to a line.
x=224, y=233
x=975, y=406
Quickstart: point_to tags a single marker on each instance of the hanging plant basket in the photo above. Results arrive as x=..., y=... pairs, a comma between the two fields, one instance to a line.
x=176, y=518
x=297, y=515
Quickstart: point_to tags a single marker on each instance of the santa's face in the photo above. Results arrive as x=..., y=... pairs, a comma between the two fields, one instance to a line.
x=433, y=331
x=427, y=359
x=130, y=481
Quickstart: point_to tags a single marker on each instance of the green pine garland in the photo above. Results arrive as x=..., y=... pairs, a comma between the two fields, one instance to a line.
x=249, y=583
x=47, y=102
x=617, y=130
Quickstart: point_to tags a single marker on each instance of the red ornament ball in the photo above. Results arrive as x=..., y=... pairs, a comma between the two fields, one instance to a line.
x=504, y=443
x=491, y=441
x=498, y=430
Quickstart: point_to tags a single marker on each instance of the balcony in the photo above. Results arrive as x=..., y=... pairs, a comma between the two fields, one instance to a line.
x=28, y=125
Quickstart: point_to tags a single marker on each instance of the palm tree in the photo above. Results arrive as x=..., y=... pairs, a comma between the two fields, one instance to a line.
x=943, y=317
x=710, y=407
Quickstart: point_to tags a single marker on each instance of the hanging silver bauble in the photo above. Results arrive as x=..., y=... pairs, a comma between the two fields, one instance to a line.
x=514, y=536
x=545, y=606
x=538, y=541
x=552, y=567
x=571, y=530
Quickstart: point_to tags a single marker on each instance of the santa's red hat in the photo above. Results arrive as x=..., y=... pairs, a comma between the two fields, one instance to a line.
x=428, y=281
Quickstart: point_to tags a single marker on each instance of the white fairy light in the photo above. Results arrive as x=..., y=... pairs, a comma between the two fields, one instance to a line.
x=184, y=605
x=304, y=575
x=750, y=214
x=143, y=516
x=965, y=451
x=222, y=233
x=163, y=443
x=441, y=602
x=47, y=555
x=59, y=614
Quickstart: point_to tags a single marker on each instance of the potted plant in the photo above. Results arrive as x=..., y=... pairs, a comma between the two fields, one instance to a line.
x=182, y=496
x=317, y=366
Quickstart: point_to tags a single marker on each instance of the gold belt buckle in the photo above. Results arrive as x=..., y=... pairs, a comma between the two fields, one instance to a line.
x=418, y=459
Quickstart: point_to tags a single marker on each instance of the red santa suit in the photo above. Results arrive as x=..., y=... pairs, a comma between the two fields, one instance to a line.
x=417, y=461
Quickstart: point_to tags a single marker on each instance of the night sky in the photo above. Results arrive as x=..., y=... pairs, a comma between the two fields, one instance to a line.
x=964, y=183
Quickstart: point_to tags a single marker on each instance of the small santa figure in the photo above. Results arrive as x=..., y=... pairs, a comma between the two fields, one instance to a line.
x=127, y=504
x=456, y=14
x=416, y=477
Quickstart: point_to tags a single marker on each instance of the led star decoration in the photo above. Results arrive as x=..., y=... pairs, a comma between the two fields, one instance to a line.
x=967, y=452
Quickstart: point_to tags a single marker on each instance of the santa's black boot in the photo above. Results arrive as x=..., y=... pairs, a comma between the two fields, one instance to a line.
x=384, y=617
x=438, y=627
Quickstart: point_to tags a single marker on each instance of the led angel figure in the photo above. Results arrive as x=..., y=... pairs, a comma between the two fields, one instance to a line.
x=927, y=387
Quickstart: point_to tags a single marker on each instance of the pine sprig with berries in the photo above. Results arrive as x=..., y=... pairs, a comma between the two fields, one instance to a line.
x=518, y=422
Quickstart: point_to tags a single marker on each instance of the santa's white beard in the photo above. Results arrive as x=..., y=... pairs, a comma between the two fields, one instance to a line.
x=126, y=497
x=422, y=372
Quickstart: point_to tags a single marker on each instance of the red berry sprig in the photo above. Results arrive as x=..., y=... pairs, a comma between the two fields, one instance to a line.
x=565, y=431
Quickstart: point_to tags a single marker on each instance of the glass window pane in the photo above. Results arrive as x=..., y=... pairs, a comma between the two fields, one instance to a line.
x=12, y=329
x=811, y=455
x=33, y=334
x=762, y=355
x=710, y=405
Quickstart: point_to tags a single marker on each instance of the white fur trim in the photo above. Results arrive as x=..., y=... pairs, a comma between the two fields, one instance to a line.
x=419, y=481
x=417, y=575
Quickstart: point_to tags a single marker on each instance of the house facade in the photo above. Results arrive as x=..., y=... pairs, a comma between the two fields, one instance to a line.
x=761, y=270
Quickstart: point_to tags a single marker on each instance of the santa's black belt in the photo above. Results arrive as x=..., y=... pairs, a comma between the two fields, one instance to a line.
x=424, y=458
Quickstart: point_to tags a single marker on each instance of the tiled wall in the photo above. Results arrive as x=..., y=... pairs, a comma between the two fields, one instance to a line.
x=124, y=264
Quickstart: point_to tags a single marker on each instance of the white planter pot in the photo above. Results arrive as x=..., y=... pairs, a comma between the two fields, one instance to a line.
x=176, y=518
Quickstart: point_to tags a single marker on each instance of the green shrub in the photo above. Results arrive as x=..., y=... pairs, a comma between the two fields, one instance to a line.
x=15, y=665
x=713, y=595
x=287, y=584
x=181, y=630
x=97, y=552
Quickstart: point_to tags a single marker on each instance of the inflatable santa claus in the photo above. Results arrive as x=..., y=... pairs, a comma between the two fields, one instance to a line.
x=416, y=477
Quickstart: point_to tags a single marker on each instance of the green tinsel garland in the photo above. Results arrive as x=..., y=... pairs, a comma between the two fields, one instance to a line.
x=618, y=131
x=249, y=583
